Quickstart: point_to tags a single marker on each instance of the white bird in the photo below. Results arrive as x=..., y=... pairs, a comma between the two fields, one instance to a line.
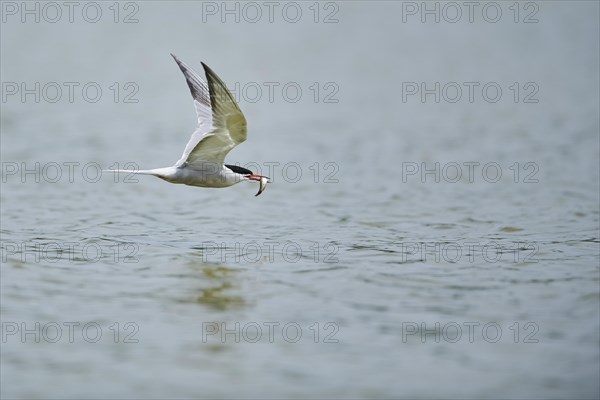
x=221, y=127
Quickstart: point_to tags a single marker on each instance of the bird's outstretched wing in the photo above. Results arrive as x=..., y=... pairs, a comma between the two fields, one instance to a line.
x=221, y=124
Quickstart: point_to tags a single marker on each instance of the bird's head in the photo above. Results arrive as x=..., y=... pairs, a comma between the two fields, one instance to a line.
x=248, y=175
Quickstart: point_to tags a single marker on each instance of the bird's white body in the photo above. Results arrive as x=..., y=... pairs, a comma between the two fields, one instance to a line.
x=221, y=127
x=213, y=176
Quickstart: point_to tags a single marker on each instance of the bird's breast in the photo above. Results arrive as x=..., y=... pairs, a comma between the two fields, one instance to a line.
x=202, y=178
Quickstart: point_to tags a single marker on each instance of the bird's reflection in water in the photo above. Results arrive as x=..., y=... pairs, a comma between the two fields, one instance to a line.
x=217, y=295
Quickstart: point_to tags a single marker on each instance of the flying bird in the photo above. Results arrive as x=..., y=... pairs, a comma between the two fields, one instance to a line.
x=221, y=127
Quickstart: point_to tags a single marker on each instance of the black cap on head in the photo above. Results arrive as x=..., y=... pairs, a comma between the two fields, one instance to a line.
x=239, y=170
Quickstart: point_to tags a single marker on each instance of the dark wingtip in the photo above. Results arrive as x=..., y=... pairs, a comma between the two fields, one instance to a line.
x=207, y=70
x=177, y=60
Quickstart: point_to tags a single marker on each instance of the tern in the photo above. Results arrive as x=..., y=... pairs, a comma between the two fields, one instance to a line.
x=221, y=127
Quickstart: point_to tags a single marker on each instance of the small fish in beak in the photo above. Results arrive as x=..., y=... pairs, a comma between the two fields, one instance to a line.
x=263, y=185
x=263, y=182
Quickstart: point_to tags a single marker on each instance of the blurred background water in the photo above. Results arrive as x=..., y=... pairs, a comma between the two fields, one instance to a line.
x=358, y=273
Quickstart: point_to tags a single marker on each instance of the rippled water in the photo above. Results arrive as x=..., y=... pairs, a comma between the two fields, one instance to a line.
x=354, y=274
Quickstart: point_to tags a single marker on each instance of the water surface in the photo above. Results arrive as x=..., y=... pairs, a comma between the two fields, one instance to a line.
x=352, y=275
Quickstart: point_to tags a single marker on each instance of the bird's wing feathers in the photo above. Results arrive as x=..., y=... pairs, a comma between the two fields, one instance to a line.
x=221, y=124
